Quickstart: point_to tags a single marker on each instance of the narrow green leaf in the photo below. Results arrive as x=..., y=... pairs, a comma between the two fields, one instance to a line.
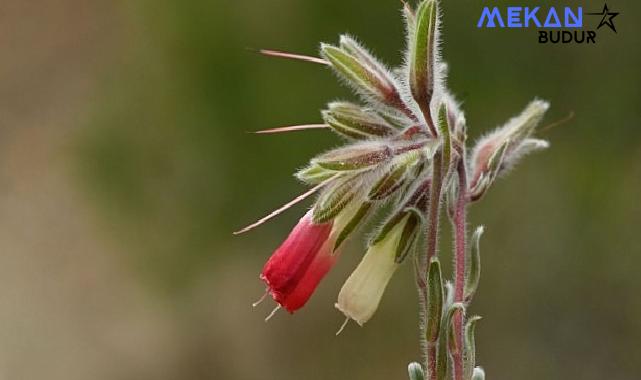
x=442, y=359
x=421, y=64
x=444, y=131
x=473, y=274
x=434, y=300
x=469, y=354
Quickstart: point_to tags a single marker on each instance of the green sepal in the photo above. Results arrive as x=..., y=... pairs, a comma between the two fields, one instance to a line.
x=390, y=182
x=473, y=274
x=314, y=174
x=409, y=235
x=497, y=159
x=410, y=18
x=387, y=227
x=444, y=131
x=334, y=199
x=469, y=354
x=442, y=358
x=434, y=300
x=352, y=224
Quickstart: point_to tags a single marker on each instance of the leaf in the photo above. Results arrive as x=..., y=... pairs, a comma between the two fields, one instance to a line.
x=434, y=300
x=469, y=356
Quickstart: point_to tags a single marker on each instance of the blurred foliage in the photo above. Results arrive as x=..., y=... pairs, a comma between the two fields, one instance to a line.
x=167, y=158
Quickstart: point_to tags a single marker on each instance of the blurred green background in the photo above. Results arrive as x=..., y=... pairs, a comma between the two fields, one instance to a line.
x=125, y=164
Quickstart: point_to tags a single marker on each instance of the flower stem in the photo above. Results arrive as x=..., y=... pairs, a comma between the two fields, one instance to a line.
x=459, y=258
x=428, y=349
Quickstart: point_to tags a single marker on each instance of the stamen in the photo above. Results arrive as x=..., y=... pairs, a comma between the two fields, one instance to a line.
x=558, y=122
x=292, y=128
x=262, y=298
x=342, y=327
x=300, y=57
x=283, y=208
x=272, y=313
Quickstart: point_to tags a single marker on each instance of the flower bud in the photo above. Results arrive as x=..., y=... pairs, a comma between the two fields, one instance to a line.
x=360, y=295
x=415, y=371
x=361, y=75
x=314, y=174
x=501, y=149
x=478, y=374
x=352, y=121
x=354, y=157
x=421, y=60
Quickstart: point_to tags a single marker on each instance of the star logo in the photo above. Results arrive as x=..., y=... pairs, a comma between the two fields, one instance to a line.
x=606, y=17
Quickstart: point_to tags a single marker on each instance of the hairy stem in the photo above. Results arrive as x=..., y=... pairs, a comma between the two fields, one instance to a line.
x=428, y=349
x=459, y=257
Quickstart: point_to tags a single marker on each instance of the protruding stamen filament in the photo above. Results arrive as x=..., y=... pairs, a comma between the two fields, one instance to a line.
x=342, y=327
x=300, y=57
x=262, y=298
x=283, y=208
x=292, y=128
x=272, y=313
x=569, y=117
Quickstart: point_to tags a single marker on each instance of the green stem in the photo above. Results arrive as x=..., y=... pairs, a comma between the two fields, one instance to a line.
x=429, y=348
x=459, y=258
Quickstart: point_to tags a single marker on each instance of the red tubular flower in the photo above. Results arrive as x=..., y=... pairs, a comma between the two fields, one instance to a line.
x=295, y=269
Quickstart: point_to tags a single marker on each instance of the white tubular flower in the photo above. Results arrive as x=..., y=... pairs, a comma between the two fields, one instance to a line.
x=363, y=290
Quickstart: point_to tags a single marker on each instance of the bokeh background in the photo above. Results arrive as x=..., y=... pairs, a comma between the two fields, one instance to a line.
x=125, y=164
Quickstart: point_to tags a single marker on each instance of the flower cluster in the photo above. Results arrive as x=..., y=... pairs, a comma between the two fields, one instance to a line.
x=405, y=152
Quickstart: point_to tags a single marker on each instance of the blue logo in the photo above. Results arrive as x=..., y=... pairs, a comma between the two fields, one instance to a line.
x=554, y=24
